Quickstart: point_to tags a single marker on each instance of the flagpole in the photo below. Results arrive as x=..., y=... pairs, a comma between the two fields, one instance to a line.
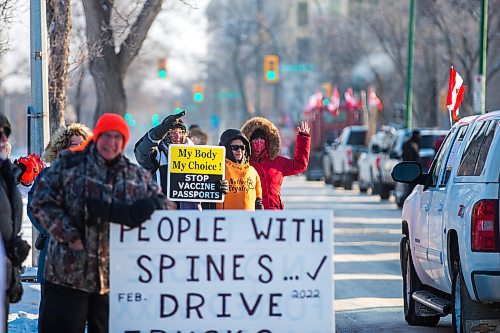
x=451, y=119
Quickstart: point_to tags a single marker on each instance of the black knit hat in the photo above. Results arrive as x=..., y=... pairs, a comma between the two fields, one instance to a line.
x=179, y=124
x=4, y=124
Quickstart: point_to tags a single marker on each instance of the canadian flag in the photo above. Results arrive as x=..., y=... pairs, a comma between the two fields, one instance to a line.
x=456, y=91
x=350, y=100
x=373, y=99
x=334, y=105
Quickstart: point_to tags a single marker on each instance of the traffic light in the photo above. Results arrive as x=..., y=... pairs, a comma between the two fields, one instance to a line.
x=271, y=68
x=155, y=119
x=129, y=119
x=177, y=107
x=198, y=92
x=162, y=68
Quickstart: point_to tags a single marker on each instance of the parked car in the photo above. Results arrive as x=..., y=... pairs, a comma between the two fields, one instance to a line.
x=428, y=139
x=344, y=155
x=450, y=249
x=369, y=162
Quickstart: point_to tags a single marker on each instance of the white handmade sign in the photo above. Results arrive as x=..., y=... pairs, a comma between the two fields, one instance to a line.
x=223, y=271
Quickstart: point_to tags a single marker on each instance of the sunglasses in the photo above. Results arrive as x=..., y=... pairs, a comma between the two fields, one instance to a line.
x=236, y=147
x=4, y=131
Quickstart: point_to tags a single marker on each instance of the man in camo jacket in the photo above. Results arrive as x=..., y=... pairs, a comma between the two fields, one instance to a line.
x=74, y=201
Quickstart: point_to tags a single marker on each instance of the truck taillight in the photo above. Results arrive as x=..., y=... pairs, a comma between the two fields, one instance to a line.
x=349, y=156
x=484, y=226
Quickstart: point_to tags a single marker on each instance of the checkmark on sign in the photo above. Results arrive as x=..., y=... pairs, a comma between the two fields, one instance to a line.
x=313, y=276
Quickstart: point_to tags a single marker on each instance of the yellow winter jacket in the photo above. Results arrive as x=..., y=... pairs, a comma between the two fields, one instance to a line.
x=244, y=187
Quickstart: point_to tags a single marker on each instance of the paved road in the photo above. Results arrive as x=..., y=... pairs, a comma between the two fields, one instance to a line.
x=368, y=290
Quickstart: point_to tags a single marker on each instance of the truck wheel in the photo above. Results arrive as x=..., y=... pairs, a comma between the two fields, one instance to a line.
x=464, y=307
x=335, y=178
x=375, y=185
x=399, y=201
x=347, y=181
x=385, y=191
x=412, y=283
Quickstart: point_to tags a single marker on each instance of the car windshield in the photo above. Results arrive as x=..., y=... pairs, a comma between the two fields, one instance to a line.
x=357, y=138
x=428, y=141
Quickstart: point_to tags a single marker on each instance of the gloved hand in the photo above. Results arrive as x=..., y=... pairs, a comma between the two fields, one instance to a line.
x=258, y=204
x=142, y=209
x=222, y=186
x=31, y=166
x=97, y=209
x=160, y=131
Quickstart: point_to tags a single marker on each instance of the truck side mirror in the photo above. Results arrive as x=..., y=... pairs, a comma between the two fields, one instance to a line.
x=408, y=172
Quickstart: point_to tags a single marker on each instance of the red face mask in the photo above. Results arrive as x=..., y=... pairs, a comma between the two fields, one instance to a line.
x=258, y=145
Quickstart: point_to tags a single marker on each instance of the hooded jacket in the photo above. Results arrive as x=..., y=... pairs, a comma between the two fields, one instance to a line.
x=270, y=165
x=59, y=142
x=244, y=182
x=61, y=138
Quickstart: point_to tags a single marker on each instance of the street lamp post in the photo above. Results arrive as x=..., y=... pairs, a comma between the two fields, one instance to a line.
x=409, y=68
x=483, y=40
x=38, y=111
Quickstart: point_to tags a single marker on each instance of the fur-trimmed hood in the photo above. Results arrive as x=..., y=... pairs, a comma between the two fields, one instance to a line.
x=60, y=140
x=273, y=139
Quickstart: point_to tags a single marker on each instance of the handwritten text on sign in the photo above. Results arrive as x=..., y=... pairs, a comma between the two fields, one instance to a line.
x=194, y=172
x=223, y=271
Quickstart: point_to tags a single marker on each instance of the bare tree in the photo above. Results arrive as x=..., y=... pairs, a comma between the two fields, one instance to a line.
x=6, y=7
x=240, y=36
x=110, y=67
x=58, y=28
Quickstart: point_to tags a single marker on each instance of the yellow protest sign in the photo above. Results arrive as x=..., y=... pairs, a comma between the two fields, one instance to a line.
x=194, y=173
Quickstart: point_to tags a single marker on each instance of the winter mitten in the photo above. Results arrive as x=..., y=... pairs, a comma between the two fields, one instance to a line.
x=258, y=204
x=160, y=131
x=142, y=209
x=222, y=186
x=97, y=209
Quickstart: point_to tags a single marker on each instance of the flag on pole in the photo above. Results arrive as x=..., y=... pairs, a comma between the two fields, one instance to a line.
x=456, y=91
x=373, y=99
x=334, y=105
x=350, y=100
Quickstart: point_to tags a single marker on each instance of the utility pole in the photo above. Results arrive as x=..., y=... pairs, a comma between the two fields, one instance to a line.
x=38, y=111
x=483, y=40
x=258, y=81
x=409, y=68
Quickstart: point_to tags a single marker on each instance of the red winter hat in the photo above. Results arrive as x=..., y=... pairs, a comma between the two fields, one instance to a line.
x=112, y=122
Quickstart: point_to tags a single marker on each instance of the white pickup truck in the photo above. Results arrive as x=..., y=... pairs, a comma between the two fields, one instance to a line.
x=344, y=155
x=450, y=250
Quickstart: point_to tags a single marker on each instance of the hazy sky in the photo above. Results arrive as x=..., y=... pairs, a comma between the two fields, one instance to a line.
x=179, y=32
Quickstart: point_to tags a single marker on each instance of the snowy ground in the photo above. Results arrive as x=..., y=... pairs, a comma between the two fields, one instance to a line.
x=23, y=316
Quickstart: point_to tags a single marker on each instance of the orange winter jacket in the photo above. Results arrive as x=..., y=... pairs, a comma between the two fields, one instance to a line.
x=244, y=187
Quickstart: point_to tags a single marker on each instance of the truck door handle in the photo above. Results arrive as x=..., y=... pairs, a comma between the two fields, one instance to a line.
x=426, y=207
x=439, y=207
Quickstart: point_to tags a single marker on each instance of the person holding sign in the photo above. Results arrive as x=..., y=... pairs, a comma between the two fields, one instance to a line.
x=151, y=151
x=74, y=201
x=265, y=141
x=245, y=191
